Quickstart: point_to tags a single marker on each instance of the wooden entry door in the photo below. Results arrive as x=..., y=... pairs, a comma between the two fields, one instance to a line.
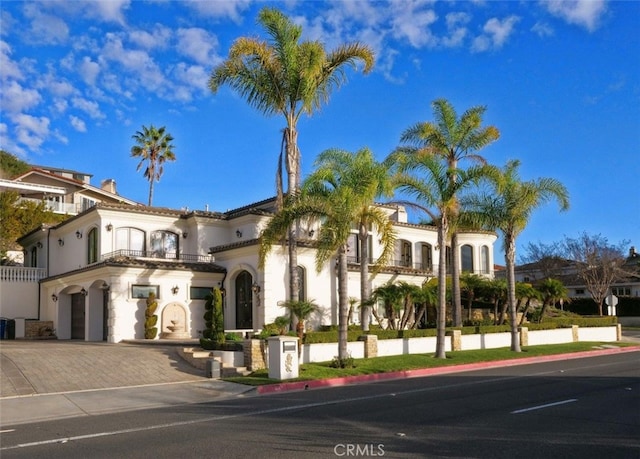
x=77, y=315
x=244, y=301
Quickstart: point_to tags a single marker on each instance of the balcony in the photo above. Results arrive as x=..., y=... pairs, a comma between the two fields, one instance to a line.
x=158, y=255
x=57, y=207
x=396, y=264
x=21, y=274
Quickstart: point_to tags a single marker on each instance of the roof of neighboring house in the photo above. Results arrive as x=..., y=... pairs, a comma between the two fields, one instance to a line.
x=75, y=183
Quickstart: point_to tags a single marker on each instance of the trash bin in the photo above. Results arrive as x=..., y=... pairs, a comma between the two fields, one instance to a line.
x=11, y=329
x=212, y=369
x=3, y=327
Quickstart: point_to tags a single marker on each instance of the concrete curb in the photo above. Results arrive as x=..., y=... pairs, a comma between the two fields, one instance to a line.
x=347, y=380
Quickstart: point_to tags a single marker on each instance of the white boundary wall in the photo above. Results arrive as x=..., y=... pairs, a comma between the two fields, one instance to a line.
x=324, y=352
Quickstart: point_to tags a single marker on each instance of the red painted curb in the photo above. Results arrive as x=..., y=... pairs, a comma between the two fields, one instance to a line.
x=336, y=382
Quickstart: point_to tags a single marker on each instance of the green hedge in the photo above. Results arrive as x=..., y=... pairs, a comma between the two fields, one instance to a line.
x=627, y=307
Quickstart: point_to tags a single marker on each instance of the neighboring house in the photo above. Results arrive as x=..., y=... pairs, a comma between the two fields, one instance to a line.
x=64, y=191
x=101, y=265
x=565, y=271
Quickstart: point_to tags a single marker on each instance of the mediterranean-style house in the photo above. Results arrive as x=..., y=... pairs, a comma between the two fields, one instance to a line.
x=97, y=268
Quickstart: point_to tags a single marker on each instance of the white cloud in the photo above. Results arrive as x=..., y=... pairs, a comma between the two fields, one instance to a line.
x=412, y=24
x=231, y=9
x=77, y=124
x=192, y=75
x=496, y=33
x=542, y=29
x=584, y=13
x=31, y=131
x=159, y=38
x=14, y=98
x=45, y=28
x=456, y=29
x=139, y=63
x=89, y=70
x=199, y=45
x=91, y=108
x=8, y=67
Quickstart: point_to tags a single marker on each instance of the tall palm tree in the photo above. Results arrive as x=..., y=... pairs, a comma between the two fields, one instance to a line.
x=154, y=147
x=435, y=186
x=454, y=139
x=507, y=207
x=339, y=192
x=288, y=77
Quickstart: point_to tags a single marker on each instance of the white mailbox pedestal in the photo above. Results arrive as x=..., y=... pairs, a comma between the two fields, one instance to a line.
x=283, y=357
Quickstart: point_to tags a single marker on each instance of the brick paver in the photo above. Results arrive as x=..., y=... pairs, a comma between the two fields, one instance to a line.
x=39, y=367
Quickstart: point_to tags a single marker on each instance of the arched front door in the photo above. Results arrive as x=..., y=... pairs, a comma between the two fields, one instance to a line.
x=244, y=301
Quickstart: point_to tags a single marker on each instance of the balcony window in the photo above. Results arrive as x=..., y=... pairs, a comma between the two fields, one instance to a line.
x=130, y=239
x=164, y=244
x=427, y=257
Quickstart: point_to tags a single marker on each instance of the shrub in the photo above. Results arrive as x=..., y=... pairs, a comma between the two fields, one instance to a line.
x=347, y=362
x=150, y=319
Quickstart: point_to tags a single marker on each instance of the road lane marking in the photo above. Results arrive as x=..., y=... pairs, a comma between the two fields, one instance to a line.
x=540, y=407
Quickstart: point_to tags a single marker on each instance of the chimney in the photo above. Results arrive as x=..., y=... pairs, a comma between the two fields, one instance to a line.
x=632, y=252
x=109, y=185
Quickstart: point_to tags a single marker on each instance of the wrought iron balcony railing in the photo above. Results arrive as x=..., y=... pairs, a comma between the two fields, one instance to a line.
x=158, y=255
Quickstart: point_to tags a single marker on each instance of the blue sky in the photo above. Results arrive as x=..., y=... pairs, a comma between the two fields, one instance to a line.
x=560, y=80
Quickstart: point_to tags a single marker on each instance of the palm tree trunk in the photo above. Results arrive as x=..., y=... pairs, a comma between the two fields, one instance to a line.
x=343, y=303
x=455, y=281
x=293, y=186
x=442, y=290
x=365, y=287
x=150, y=191
x=510, y=245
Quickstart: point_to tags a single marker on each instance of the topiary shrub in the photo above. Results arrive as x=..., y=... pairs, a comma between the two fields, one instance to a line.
x=213, y=335
x=150, y=319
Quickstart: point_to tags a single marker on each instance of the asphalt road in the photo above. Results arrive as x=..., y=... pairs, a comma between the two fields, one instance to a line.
x=583, y=408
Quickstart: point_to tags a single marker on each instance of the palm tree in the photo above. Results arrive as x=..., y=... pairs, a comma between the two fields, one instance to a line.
x=434, y=186
x=471, y=284
x=302, y=310
x=507, y=207
x=454, y=139
x=525, y=293
x=336, y=193
x=153, y=146
x=288, y=77
x=391, y=296
x=551, y=290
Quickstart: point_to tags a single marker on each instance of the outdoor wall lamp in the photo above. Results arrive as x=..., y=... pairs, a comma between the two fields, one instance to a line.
x=109, y=227
x=311, y=233
x=83, y=292
x=255, y=288
x=238, y=233
x=79, y=234
x=175, y=289
x=60, y=242
x=184, y=235
x=104, y=286
x=39, y=245
x=54, y=298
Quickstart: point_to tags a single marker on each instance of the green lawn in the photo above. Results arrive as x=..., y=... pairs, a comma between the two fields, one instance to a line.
x=322, y=370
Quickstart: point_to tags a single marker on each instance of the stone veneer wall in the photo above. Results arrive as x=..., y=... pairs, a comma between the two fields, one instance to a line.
x=39, y=329
x=254, y=354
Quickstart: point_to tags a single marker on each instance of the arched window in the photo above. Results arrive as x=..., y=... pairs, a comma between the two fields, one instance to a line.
x=466, y=255
x=130, y=239
x=427, y=257
x=302, y=283
x=92, y=246
x=484, y=260
x=164, y=244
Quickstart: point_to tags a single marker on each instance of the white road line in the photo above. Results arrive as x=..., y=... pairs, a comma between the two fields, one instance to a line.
x=539, y=407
